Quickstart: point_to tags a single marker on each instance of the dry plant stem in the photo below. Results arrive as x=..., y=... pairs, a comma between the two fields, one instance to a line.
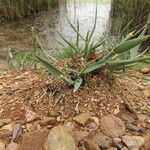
x=34, y=44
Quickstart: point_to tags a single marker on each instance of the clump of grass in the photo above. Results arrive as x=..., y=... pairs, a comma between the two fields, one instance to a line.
x=13, y=9
x=79, y=61
x=20, y=61
x=134, y=11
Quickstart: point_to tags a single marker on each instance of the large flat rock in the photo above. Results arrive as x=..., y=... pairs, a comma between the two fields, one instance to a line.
x=112, y=126
x=60, y=138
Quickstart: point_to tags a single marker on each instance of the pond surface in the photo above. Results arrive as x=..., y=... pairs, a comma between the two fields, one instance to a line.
x=17, y=35
x=84, y=11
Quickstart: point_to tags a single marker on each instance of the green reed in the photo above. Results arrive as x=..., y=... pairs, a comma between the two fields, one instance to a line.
x=13, y=9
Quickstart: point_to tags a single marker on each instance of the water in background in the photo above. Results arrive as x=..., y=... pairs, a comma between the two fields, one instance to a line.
x=54, y=20
x=113, y=16
x=85, y=12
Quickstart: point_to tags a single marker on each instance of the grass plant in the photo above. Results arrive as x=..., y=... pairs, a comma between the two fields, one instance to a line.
x=93, y=56
x=20, y=61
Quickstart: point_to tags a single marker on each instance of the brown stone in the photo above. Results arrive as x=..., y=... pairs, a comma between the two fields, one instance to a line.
x=90, y=145
x=117, y=142
x=82, y=118
x=91, y=126
x=8, y=127
x=34, y=140
x=102, y=140
x=95, y=119
x=4, y=122
x=128, y=118
x=2, y=145
x=12, y=146
x=47, y=121
x=5, y=135
x=147, y=140
x=112, y=126
x=112, y=148
x=78, y=133
x=31, y=115
x=133, y=142
x=60, y=138
x=132, y=127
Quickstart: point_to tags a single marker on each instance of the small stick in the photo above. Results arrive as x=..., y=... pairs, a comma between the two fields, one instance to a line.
x=34, y=44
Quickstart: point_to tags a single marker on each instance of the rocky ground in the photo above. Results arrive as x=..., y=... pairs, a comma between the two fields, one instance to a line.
x=38, y=112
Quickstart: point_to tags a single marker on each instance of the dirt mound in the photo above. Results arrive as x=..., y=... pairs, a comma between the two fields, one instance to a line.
x=102, y=94
x=33, y=104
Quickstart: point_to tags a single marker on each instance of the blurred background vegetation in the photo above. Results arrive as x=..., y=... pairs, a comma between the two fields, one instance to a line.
x=13, y=9
x=135, y=13
x=15, y=32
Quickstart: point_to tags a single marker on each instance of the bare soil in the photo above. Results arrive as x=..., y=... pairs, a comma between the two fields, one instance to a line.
x=102, y=94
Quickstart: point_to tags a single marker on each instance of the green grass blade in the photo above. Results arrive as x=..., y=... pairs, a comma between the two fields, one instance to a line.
x=71, y=70
x=129, y=36
x=89, y=35
x=126, y=27
x=77, y=84
x=94, y=27
x=102, y=64
x=91, y=67
x=69, y=43
x=146, y=50
x=89, y=50
x=41, y=46
x=76, y=30
x=85, y=50
x=130, y=44
x=61, y=44
x=68, y=80
x=53, y=70
x=126, y=46
x=98, y=44
x=114, y=64
x=134, y=51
